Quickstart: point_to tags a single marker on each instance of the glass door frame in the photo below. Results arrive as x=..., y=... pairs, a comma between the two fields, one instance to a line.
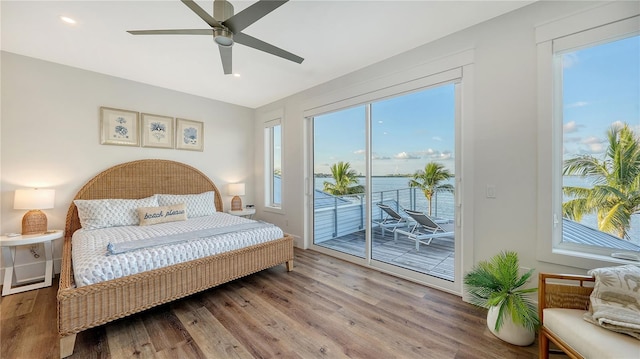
x=464, y=163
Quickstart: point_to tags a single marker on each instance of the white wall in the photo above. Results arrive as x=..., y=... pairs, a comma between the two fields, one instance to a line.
x=50, y=136
x=504, y=128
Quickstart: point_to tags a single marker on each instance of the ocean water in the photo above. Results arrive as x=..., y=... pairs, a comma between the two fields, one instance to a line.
x=397, y=188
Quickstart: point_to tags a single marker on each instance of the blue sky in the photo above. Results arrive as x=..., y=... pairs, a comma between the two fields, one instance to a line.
x=601, y=88
x=407, y=132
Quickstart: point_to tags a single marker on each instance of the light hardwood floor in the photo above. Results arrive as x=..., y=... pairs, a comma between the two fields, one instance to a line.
x=325, y=308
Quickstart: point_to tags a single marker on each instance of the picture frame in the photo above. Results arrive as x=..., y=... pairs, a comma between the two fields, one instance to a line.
x=119, y=127
x=156, y=131
x=189, y=135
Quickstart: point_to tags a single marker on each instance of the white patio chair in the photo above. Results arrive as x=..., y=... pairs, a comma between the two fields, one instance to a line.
x=425, y=229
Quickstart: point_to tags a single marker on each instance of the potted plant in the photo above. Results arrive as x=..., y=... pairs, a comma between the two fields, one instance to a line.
x=495, y=284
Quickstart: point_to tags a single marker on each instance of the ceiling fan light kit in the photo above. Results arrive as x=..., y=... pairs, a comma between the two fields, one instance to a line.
x=223, y=37
x=228, y=31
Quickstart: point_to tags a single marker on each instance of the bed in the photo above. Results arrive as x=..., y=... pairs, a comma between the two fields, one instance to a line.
x=87, y=306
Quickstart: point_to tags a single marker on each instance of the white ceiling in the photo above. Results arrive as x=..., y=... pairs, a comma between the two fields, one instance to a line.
x=334, y=37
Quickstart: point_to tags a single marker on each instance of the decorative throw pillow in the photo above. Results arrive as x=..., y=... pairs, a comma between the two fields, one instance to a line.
x=155, y=215
x=197, y=205
x=615, y=299
x=103, y=213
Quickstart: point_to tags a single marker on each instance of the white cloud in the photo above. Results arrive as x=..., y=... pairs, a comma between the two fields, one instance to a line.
x=572, y=139
x=376, y=157
x=594, y=144
x=596, y=148
x=570, y=126
x=436, y=138
x=576, y=104
x=405, y=156
x=359, y=152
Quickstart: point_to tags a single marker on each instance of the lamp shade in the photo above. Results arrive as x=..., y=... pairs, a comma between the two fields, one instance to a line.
x=236, y=189
x=34, y=198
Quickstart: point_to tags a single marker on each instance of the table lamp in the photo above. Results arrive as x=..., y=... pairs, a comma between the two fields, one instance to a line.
x=34, y=221
x=236, y=190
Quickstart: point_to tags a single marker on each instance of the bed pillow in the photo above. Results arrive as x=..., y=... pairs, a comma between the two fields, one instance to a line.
x=164, y=214
x=197, y=205
x=104, y=213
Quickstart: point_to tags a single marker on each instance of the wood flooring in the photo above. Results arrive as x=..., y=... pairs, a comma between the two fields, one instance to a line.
x=325, y=308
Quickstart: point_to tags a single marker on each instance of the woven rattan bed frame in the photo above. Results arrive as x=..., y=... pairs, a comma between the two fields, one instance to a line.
x=93, y=305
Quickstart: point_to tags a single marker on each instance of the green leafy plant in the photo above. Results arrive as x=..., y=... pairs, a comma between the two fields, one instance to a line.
x=429, y=181
x=496, y=283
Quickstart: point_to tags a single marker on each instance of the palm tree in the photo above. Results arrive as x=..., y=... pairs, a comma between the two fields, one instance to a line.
x=430, y=180
x=346, y=181
x=615, y=195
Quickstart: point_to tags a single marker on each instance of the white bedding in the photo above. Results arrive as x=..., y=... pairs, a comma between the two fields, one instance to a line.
x=91, y=264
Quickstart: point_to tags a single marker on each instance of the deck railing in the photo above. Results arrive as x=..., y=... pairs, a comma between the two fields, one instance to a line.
x=347, y=214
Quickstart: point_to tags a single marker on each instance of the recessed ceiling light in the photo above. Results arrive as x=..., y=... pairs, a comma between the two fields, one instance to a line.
x=68, y=20
x=236, y=75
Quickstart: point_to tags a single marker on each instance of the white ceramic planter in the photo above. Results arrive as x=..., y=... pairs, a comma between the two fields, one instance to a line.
x=509, y=332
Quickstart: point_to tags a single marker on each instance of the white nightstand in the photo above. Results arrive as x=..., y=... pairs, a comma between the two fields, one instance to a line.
x=247, y=212
x=9, y=244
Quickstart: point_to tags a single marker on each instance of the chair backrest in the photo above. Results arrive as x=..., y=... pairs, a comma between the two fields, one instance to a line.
x=389, y=211
x=424, y=221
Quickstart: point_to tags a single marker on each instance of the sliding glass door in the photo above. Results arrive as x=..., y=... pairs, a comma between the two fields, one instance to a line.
x=412, y=168
x=384, y=183
x=339, y=191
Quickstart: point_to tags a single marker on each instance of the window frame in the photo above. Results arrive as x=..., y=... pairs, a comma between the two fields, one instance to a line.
x=598, y=25
x=273, y=120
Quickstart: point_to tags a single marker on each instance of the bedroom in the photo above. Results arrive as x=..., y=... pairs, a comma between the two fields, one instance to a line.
x=58, y=106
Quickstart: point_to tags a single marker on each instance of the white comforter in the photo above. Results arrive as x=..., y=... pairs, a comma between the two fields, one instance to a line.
x=92, y=264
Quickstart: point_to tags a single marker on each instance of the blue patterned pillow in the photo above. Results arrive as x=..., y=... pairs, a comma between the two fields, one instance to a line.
x=198, y=205
x=103, y=213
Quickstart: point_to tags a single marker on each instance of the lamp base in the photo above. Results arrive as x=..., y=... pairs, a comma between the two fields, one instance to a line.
x=34, y=221
x=236, y=203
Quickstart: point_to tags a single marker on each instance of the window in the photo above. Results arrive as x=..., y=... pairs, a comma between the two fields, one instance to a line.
x=589, y=89
x=273, y=164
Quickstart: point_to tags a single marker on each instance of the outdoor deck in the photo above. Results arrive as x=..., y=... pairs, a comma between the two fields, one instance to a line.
x=436, y=259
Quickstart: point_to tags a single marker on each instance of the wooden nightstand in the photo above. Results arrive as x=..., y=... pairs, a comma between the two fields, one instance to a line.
x=9, y=244
x=247, y=212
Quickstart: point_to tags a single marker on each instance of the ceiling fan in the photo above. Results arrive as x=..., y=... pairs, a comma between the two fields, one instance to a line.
x=228, y=30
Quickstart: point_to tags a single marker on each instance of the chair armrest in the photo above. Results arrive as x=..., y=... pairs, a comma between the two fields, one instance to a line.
x=570, y=291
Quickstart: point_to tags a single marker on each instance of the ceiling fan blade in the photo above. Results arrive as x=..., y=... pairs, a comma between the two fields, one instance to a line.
x=172, y=32
x=225, y=56
x=253, y=13
x=200, y=12
x=250, y=41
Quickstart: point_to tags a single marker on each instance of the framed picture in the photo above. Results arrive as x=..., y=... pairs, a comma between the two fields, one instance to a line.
x=157, y=131
x=118, y=127
x=189, y=135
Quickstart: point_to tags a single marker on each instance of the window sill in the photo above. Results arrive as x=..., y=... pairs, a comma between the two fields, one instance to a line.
x=583, y=260
x=277, y=210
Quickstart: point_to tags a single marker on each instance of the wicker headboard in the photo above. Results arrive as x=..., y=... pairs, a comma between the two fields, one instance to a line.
x=139, y=179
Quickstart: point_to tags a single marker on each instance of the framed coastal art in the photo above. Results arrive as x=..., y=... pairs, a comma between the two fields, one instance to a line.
x=119, y=127
x=189, y=135
x=156, y=131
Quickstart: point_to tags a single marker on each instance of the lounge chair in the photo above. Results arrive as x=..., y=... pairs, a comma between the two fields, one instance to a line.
x=425, y=229
x=392, y=220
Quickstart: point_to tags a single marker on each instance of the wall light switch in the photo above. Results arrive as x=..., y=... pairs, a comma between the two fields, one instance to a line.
x=491, y=191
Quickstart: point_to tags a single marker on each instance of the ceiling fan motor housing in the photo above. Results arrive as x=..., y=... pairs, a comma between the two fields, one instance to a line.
x=222, y=10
